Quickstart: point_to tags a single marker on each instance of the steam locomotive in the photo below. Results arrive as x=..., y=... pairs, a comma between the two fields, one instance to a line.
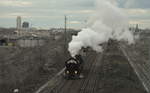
x=74, y=67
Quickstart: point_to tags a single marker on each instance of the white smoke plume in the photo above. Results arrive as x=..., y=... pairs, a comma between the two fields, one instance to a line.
x=109, y=21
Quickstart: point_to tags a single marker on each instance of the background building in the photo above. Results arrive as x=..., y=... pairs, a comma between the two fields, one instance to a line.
x=18, y=22
x=25, y=25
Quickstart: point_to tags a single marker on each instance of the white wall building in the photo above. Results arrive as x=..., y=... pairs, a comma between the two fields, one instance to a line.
x=30, y=41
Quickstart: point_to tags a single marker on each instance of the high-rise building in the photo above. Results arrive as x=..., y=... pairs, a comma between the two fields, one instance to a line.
x=18, y=24
x=25, y=25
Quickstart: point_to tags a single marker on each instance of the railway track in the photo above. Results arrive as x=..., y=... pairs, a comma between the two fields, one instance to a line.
x=60, y=85
x=141, y=67
x=91, y=83
x=99, y=74
x=82, y=85
x=76, y=84
x=88, y=86
x=65, y=86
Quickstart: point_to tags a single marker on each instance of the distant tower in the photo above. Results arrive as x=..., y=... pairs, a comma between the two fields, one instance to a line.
x=18, y=22
x=137, y=28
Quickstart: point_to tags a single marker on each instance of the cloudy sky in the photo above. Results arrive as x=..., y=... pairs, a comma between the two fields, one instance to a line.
x=50, y=13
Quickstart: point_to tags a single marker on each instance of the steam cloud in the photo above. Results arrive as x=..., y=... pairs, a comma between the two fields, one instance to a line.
x=108, y=22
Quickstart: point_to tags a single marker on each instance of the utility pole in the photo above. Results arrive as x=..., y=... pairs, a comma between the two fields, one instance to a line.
x=149, y=48
x=65, y=36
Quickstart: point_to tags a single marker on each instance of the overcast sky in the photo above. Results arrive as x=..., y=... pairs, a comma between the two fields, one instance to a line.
x=50, y=13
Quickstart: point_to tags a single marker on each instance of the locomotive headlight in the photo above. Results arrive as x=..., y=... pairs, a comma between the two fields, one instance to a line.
x=75, y=72
x=67, y=72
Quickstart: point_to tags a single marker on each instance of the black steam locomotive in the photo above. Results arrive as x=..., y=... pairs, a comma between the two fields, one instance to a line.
x=74, y=67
